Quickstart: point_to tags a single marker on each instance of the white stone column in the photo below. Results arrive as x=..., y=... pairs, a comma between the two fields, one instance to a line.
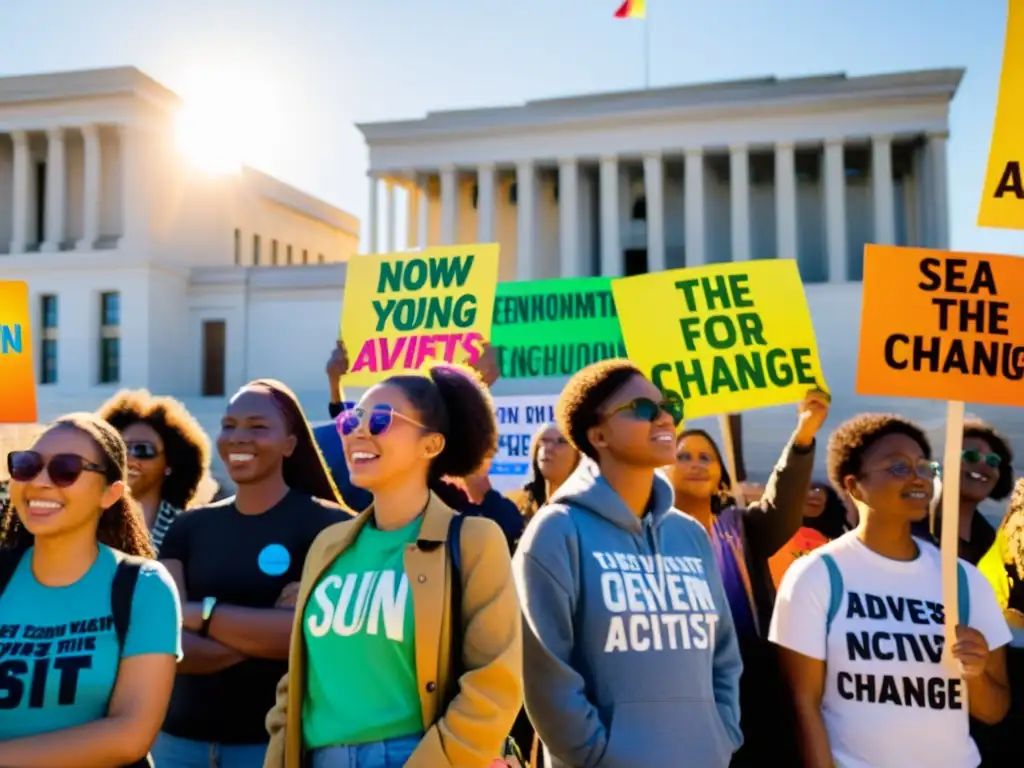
x=526, y=220
x=423, y=228
x=569, y=218
x=786, y=228
x=449, y=204
x=739, y=198
x=694, y=202
x=135, y=189
x=611, y=240
x=390, y=228
x=373, y=243
x=485, y=204
x=654, y=193
x=882, y=190
x=56, y=190
x=940, y=187
x=19, y=205
x=412, y=213
x=92, y=187
x=835, y=210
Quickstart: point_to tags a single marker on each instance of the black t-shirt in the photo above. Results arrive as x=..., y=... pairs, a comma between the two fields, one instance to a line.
x=243, y=560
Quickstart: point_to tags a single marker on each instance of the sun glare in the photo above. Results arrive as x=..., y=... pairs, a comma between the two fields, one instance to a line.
x=208, y=137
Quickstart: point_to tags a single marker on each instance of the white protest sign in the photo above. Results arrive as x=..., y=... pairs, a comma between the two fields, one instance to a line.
x=519, y=418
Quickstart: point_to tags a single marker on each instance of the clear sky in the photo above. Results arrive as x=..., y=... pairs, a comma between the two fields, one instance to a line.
x=299, y=73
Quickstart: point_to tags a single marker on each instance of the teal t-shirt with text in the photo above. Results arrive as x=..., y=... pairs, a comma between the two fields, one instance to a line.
x=58, y=649
x=358, y=626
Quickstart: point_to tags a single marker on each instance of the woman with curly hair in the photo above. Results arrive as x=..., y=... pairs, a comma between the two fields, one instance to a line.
x=406, y=647
x=552, y=460
x=90, y=621
x=168, y=454
x=236, y=563
x=986, y=472
x=860, y=620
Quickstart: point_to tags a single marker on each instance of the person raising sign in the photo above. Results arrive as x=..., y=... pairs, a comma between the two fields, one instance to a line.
x=860, y=620
x=89, y=623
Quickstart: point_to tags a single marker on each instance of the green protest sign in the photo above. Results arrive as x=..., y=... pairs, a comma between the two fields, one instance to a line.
x=554, y=327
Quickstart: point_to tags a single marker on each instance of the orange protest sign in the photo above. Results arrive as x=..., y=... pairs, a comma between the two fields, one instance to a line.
x=804, y=540
x=942, y=325
x=17, y=374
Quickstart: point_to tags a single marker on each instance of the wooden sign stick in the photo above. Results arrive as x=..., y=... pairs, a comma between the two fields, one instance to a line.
x=949, y=537
x=729, y=451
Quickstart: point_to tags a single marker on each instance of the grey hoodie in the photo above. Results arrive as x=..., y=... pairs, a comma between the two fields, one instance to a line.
x=630, y=655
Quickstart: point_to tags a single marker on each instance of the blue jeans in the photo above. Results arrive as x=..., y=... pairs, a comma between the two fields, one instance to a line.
x=393, y=753
x=176, y=752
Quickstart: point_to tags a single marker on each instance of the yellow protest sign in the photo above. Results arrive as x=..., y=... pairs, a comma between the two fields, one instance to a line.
x=405, y=310
x=1002, y=199
x=725, y=337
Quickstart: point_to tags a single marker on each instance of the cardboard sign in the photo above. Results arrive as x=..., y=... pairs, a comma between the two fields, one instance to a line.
x=519, y=419
x=804, y=540
x=17, y=371
x=405, y=310
x=725, y=337
x=942, y=325
x=554, y=327
x=1002, y=198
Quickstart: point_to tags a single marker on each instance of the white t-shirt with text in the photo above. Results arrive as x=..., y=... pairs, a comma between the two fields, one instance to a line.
x=889, y=700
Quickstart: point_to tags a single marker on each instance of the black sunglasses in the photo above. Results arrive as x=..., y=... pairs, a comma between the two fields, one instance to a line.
x=971, y=456
x=645, y=409
x=63, y=468
x=142, y=450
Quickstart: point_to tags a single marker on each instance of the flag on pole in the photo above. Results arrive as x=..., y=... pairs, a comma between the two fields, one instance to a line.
x=632, y=9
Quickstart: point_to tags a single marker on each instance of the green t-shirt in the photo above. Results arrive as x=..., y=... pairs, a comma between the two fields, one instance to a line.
x=358, y=625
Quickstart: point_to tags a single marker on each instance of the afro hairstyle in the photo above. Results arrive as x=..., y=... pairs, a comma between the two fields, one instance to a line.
x=578, y=407
x=186, y=445
x=1001, y=448
x=851, y=440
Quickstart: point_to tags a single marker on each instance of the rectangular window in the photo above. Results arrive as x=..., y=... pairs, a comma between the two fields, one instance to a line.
x=110, y=338
x=305, y=256
x=238, y=246
x=256, y=250
x=273, y=252
x=214, y=337
x=48, y=357
x=288, y=251
x=40, y=203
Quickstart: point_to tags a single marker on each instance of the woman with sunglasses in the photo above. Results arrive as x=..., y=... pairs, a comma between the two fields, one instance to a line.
x=744, y=539
x=630, y=654
x=986, y=472
x=384, y=670
x=236, y=563
x=86, y=657
x=168, y=454
x=860, y=620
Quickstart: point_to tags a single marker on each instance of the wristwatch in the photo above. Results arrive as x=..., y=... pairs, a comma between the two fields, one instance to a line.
x=209, y=603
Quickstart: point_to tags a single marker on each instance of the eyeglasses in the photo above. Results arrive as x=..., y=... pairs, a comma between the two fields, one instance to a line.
x=553, y=442
x=901, y=470
x=378, y=420
x=645, y=409
x=63, y=468
x=971, y=456
x=142, y=451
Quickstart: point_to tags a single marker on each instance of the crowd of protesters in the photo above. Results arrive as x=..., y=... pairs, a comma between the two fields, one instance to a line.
x=365, y=599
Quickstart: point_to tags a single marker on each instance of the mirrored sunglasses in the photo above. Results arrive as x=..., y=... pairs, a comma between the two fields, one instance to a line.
x=378, y=420
x=645, y=409
x=142, y=450
x=971, y=456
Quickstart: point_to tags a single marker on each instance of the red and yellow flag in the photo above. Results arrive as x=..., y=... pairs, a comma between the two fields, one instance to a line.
x=632, y=9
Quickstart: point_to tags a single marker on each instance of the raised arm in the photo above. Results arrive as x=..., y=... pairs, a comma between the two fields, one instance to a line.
x=477, y=721
x=774, y=519
x=138, y=704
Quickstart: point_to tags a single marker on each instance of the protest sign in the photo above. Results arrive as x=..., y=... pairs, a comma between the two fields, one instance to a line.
x=804, y=541
x=946, y=326
x=404, y=310
x=1002, y=198
x=725, y=337
x=554, y=327
x=17, y=372
x=942, y=325
x=519, y=419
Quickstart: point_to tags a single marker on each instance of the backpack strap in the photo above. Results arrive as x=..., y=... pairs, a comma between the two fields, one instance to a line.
x=963, y=596
x=453, y=545
x=835, y=583
x=122, y=593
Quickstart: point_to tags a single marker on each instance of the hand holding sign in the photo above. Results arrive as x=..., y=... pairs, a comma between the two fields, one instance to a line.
x=971, y=652
x=811, y=415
